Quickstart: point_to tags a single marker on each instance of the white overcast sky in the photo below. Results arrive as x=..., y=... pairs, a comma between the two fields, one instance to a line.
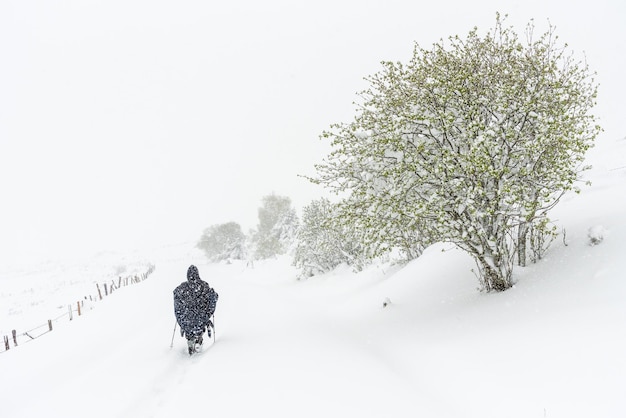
x=130, y=123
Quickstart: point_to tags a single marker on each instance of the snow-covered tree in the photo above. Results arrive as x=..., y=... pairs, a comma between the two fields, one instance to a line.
x=223, y=241
x=278, y=224
x=323, y=243
x=472, y=141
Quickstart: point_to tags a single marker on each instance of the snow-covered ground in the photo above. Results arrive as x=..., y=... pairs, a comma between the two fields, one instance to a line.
x=553, y=346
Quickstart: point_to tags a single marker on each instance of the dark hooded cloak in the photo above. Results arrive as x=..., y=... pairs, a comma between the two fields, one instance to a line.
x=194, y=304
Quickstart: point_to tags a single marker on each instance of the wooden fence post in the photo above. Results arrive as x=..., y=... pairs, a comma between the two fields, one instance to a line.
x=6, y=342
x=99, y=292
x=69, y=309
x=49, y=324
x=106, y=290
x=14, y=337
x=78, y=304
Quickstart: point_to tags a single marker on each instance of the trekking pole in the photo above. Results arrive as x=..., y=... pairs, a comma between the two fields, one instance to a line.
x=213, y=316
x=173, y=333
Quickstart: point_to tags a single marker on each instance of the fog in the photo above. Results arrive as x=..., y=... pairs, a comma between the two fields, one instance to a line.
x=126, y=124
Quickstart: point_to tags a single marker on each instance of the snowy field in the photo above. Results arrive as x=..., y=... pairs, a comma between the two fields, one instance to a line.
x=552, y=346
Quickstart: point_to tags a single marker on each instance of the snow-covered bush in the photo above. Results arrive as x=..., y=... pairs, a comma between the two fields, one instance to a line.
x=223, y=241
x=323, y=244
x=383, y=231
x=471, y=142
x=596, y=234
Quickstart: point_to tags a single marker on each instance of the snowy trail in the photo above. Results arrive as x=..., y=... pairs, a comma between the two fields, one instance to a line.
x=326, y=348
x=264, y=332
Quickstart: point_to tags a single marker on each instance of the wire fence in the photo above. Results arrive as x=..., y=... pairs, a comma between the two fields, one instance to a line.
x=103, y=290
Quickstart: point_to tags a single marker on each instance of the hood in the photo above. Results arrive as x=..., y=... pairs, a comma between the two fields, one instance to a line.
x=192, y=274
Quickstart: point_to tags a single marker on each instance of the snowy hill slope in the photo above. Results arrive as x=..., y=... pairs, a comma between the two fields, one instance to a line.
x=553, y=346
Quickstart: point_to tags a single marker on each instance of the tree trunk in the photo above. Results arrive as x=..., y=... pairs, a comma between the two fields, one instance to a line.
x=522, y=233
x=494, y=275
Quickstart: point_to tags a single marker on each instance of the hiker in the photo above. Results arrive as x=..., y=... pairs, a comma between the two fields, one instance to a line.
x=194, y=305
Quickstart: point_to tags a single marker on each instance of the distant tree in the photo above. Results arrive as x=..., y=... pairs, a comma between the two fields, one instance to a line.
x=471, y=142
x=223, y=241
x=278, y=224
x=322, y=243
